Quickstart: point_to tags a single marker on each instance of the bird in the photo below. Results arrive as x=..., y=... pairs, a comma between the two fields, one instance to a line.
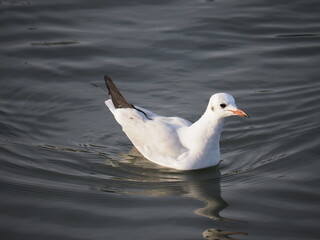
x=174, y=142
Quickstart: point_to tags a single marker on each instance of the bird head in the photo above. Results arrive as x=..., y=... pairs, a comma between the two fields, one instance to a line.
x=224, y=105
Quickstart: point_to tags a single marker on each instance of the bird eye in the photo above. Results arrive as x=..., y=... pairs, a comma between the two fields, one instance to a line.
x=223, y=105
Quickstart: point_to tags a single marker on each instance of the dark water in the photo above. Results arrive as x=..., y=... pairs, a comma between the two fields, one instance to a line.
x=67, y=171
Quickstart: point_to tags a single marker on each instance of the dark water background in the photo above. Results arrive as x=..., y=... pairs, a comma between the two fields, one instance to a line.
x=66, y=169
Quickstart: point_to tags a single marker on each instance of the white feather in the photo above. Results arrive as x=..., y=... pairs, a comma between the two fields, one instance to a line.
x=175, y=142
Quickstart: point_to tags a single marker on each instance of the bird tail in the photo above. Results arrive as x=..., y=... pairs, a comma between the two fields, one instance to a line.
x=117, y=99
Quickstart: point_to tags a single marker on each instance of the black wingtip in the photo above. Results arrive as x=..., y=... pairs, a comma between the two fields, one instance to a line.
x=118, y=100
x=108, y=82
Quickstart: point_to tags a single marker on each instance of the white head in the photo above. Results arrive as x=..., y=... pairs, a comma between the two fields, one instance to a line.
x=224, y=105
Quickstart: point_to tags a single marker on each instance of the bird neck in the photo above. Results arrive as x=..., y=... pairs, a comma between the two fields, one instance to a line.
x=208, y=128
x=205, y=133
x=202, y=140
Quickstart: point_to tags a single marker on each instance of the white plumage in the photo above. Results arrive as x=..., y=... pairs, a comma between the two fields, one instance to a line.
x=172, y=141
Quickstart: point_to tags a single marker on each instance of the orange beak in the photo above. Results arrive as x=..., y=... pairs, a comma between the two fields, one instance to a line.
x=239, y=112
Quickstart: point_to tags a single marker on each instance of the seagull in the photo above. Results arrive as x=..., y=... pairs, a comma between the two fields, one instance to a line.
x=174, y=142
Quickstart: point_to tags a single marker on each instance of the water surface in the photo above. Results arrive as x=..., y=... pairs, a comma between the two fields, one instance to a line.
x=67, y=170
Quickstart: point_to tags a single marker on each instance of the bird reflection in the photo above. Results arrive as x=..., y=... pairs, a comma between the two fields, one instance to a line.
x=217, y=234
x=202, y=184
